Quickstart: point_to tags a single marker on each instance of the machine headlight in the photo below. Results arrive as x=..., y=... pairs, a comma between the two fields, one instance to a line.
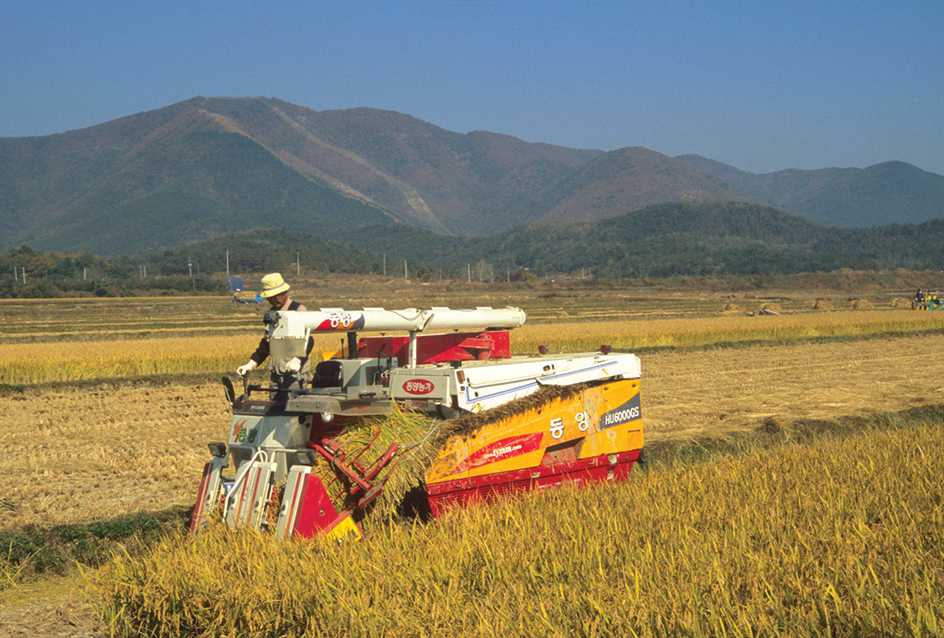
x=327, y=417
x=305, y=457
x=217, y=449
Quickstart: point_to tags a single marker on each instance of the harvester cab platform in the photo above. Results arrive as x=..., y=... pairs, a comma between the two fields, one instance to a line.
x=311, y=462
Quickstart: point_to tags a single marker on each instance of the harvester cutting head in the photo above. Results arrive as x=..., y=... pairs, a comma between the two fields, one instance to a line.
x=478, y=422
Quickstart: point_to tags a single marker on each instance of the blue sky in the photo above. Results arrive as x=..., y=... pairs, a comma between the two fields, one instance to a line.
x=762, y=86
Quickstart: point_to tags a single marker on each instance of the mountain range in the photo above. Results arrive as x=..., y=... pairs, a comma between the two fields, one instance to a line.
x=205, y=167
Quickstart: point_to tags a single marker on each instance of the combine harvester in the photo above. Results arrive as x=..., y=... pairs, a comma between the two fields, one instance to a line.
x=927, y=301
x=500, y=424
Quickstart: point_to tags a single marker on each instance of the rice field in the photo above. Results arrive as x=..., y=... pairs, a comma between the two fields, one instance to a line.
x=839, y=537
x=78, y=340
x=701, y=331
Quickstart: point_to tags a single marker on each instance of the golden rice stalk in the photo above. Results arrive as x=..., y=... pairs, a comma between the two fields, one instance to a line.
x=365, y=439
x=420, y=437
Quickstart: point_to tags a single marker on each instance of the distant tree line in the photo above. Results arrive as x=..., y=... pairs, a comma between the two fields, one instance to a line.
x=26, y=273
x=199, y=268
x=666, y=240
x=690, y=239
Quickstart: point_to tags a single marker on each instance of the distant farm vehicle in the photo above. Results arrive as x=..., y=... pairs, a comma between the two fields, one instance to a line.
x=927, y=301
x=236, y=292
x=237, y=298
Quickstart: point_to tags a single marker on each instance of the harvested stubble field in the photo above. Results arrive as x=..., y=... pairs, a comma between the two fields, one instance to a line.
x=133, y=438
x=97, y=452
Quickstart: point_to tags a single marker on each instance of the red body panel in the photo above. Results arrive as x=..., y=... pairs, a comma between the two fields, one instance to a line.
x=488, y=488
x=197, y=516
x=440, y=348
x=315, y=511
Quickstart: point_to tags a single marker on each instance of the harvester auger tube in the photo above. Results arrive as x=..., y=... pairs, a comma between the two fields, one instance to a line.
x=498, y=423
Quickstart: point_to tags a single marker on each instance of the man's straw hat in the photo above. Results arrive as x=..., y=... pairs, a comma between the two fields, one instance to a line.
x=273, y=285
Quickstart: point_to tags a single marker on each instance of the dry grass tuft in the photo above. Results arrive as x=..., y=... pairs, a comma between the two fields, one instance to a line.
x=862, y=304
x=900, y=302
x=822, y=304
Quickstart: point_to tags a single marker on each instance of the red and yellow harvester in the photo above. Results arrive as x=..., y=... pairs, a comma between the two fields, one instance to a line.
x=502, y=424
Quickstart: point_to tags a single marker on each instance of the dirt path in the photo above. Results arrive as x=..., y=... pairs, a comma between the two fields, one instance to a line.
x=85, y=454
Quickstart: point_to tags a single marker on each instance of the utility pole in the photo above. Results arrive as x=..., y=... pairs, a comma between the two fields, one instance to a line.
x=385, y=264
x=227, y=264
x=469, y=268
x=190, y=266
x=298, y=264
x=405, y=275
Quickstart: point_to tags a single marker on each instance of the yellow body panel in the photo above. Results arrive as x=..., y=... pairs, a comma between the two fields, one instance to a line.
x=346, y=529
x=603, y=419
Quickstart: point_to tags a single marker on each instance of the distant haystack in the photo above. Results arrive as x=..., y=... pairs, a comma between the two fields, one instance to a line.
x=822, y=304
x=861, y=304
x=900, y=302
x=733, y=308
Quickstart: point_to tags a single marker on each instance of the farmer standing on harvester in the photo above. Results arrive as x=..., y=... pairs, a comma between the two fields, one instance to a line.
x=286, y=373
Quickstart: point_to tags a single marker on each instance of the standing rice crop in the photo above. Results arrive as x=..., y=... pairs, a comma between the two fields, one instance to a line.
x=700, y=331
x=30, y=363
x=841, y=537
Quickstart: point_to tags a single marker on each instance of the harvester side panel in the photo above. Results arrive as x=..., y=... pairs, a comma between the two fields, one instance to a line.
x=306, y=507
x=593, y=435
x=519, y=441
x=208, y=496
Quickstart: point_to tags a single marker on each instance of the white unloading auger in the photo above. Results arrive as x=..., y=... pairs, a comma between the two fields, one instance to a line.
x=288, y=331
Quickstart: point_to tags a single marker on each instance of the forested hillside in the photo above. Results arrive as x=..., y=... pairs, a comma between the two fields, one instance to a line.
x=885, y=193
x=679, y=239
x=208, y=167
x=704, y=239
